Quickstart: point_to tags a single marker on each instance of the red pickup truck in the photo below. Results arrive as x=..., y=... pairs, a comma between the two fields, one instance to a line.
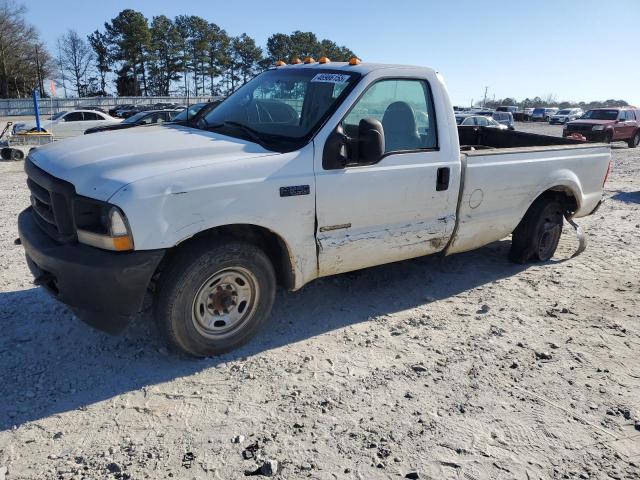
x=607, y=125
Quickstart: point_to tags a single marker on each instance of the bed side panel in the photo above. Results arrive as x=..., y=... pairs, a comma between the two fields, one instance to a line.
x=500, y=186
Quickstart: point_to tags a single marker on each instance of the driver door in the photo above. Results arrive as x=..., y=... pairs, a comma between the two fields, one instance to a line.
x=625, y=126
x=400, y=207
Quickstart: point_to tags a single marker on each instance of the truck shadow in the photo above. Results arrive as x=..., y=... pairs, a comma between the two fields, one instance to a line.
x=627, y=197
x=52, y=363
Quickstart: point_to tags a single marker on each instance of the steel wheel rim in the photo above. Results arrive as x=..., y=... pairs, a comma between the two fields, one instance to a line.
x=547, y=240
x=225, y=302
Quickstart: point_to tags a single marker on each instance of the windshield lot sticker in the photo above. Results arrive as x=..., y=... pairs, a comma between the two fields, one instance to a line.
x=330, y=78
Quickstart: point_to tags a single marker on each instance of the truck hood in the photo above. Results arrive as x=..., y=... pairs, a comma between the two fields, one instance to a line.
x=98, y=165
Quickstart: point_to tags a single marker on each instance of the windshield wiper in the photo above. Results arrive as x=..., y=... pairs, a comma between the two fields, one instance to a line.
x=248, y=130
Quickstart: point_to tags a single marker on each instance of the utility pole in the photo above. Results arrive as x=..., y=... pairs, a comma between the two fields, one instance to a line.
x=484, y=100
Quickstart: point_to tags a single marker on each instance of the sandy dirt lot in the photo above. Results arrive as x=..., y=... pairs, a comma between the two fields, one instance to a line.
x=466, y=367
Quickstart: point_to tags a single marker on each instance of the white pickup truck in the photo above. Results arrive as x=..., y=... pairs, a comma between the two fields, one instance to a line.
x=306, y=171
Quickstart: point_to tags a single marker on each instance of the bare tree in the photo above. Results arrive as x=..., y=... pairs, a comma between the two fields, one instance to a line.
x=62, y=76
x=76, y=56
x=24, y=62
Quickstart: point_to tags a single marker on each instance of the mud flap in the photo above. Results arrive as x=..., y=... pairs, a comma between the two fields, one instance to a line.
x=582, y=237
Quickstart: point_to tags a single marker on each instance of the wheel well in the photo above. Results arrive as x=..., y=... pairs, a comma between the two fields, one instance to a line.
x=270, y=243
x=565, y=196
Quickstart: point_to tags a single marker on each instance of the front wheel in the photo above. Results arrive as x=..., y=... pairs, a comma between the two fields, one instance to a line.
x=213, y=297
x=537, y=235
x=635, y=140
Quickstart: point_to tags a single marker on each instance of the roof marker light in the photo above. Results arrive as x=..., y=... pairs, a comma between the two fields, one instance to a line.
x=354, y=61
x=280, y=63
x=295, y=61
x=324, y=60
x=309, y=60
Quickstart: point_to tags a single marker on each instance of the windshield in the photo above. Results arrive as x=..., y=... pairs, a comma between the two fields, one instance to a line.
x=189, y=113
x=283, y=105
x=58, y=115
x=538, y=110
x=459, y=120
x=601, y=115
x=135, y=118
x=564, y=112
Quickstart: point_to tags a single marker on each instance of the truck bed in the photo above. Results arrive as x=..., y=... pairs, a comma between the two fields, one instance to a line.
x=503, y=172
x=482, y=138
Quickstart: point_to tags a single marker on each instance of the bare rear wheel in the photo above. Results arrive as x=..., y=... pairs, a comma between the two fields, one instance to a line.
x=537, y=235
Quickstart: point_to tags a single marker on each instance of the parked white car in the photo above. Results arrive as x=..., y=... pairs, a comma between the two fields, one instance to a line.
x=565, y=115
x=303, y=172
x=70, y=124
x=479, y=121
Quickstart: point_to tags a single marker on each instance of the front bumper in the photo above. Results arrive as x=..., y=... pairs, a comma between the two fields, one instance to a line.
x=103, y=288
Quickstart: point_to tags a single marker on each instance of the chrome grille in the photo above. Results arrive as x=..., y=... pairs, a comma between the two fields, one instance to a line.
x=579, y=128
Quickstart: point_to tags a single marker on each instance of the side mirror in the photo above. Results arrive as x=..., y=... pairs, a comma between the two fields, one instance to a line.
x=370, y=141
x=341, y=150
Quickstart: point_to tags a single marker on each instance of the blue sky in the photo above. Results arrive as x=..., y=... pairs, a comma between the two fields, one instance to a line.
x=574, y=49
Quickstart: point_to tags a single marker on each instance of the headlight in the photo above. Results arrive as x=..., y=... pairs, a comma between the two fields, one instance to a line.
x=598, y=127
x=102, y=225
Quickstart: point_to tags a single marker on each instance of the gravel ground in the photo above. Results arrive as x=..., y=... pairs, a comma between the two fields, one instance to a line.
x=465, y=367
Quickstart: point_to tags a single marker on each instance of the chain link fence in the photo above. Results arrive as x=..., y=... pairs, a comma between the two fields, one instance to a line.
x=48, y=106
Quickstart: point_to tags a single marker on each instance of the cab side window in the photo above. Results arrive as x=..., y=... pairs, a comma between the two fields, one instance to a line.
x=405, y=109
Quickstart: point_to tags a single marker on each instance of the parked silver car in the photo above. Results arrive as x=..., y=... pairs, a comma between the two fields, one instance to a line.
x=543, y=114
x=566, y=115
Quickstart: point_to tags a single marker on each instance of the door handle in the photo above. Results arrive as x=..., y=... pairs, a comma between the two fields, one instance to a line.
x=442, y=179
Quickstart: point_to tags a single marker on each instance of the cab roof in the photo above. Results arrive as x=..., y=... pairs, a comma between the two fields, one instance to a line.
x=361, y=68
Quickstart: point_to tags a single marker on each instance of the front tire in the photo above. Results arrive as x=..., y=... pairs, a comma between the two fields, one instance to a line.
x=214, y=296
x=537, y=235
x=635, y=140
